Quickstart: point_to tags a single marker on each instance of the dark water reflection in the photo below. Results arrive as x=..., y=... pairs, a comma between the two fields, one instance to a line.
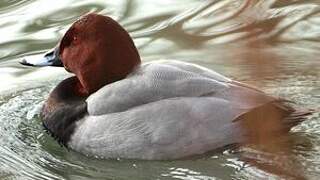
x=271, y=44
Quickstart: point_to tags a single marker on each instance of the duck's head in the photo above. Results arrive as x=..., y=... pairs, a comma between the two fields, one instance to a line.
x=96, y=49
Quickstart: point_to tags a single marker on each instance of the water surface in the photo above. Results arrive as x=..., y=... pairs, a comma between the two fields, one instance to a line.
x=271, y=44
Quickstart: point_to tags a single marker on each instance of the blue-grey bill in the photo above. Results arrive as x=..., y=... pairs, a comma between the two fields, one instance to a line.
x=50, y=58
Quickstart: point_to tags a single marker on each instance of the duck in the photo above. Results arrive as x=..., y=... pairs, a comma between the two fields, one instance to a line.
x=116, y=106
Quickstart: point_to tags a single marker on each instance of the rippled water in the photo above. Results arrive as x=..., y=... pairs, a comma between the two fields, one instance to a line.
x=271, y=44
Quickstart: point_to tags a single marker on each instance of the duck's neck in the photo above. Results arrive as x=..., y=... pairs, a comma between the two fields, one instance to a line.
x=68, y=92
x=91, y=79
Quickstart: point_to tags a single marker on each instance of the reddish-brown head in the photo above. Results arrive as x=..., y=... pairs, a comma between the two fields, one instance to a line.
x=98, y=51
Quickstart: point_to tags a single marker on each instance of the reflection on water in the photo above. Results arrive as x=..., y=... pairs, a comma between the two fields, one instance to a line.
x=271, y=44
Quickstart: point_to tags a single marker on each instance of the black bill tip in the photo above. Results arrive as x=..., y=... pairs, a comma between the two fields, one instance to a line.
x=25, y=62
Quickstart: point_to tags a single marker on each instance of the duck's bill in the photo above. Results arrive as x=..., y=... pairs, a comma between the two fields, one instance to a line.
x=50, y=58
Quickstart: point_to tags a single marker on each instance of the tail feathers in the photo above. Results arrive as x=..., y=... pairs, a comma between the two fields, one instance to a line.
x=271, y=119
x=290, y=116
x=295, y=118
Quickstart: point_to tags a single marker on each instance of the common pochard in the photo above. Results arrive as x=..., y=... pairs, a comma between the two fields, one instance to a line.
x=117, y=107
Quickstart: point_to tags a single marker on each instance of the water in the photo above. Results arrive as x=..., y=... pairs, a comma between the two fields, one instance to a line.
x=273, y=45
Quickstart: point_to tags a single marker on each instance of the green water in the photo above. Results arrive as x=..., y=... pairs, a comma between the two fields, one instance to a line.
x=271, y=44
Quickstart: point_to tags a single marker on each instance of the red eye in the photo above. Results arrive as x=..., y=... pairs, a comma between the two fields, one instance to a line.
x=74, y=40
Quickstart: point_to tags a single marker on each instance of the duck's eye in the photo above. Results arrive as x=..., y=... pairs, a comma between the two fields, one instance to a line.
x=69, y=39
x=75, y=40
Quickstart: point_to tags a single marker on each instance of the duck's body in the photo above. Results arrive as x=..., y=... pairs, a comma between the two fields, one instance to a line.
x=157, y=110
x=162, y=110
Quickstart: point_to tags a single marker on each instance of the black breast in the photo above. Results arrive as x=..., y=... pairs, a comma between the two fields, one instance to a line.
x=62, y=110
